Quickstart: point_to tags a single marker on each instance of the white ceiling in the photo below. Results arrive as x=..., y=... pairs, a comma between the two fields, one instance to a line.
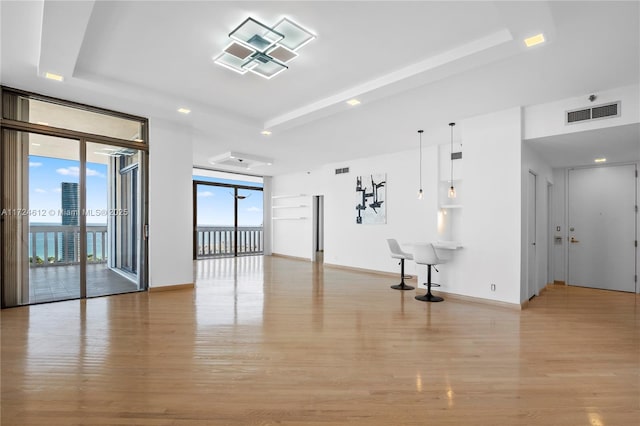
x=418, y=64
x=616, y=144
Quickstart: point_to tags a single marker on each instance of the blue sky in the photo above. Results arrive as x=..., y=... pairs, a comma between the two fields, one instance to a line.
x=215, y=204
x=45, y=176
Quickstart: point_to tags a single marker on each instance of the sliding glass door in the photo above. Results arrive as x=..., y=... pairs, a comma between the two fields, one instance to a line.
x=54, y=218
x=113, y=216
x=228, y=220
x=62, y=241
x=41, y=228
x=249, y=213
x=215, y=230
x=73, y=209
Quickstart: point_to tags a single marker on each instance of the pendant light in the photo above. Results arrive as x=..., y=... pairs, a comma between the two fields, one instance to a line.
x=452, y=189
x=420, y=193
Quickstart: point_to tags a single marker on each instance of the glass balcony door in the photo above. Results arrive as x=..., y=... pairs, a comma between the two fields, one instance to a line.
x=249, y=223
x=70, y=219
x=113, y=219
x=228, y=220
x=128, y=232
x=73, y=182
x=215, y=221
x=41, y=247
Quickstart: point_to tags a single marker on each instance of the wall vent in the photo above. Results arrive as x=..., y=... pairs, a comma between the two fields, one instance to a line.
x=342, y=170
x=610, y=110
x=579, y=115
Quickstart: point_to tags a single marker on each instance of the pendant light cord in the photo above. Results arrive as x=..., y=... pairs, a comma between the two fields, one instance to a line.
x=451, y=155
x=420, y=132
x=452, y=124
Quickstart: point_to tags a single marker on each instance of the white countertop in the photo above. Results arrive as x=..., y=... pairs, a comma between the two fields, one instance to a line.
x=448, y=245
x=443, y=245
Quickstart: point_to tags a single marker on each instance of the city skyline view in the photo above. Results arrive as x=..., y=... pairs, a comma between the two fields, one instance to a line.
x=46, y=176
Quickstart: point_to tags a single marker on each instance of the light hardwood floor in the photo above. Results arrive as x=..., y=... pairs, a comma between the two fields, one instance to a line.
x=274, y=341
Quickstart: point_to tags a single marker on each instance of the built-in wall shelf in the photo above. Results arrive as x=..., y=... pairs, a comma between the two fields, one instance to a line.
x=289, y=207
x=275, y=197
x=290, y=218
x=451, y=206
x=290, y=202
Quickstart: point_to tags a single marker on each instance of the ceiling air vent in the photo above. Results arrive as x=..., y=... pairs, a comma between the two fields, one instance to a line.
x=598, y=112
x=342, y=170
x=610, y=110
x=580, y=115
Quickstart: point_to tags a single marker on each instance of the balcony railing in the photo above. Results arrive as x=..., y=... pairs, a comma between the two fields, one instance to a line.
x=51, y=245
x=220, y=241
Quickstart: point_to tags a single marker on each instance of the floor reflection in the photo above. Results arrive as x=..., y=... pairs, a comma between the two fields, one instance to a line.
x=280, y=341
x=229, y=291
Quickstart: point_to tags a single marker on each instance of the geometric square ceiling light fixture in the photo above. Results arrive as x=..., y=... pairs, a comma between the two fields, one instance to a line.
x=261, y=49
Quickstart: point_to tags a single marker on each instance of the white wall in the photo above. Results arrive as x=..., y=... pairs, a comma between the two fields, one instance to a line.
x=267, y=235
x=490, y=214
x=408, y=219
x=292, y=237
x=360, y=245
x=492, y=208
x=531, y=161
x=170, y=205
x=549, y=119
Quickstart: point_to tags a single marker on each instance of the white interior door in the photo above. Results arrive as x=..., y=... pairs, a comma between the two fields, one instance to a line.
x=602, y=227
x=531, y=237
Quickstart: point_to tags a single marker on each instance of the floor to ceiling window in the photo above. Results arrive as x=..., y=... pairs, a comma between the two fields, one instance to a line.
x=73, y=186
x=228, y=215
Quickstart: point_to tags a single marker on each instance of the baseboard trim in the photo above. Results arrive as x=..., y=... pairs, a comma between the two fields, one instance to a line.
x=286, y=256
x=345, y=268
x=480, y=300
x=557, y=282
x=175, y=287
x=368, y=271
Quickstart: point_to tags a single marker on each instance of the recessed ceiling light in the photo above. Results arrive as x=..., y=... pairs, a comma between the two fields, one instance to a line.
x=236, y=159
x=536, y=39
x=600, y=160
x=184, y=110
x=353, y=102
x=265, y=132
x=52, y=76
x=42, y=123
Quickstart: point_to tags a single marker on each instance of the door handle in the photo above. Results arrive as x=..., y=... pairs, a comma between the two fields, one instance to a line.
x=573, y=240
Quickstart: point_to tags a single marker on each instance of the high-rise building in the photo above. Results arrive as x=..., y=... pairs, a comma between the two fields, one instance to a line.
x=70, y=217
